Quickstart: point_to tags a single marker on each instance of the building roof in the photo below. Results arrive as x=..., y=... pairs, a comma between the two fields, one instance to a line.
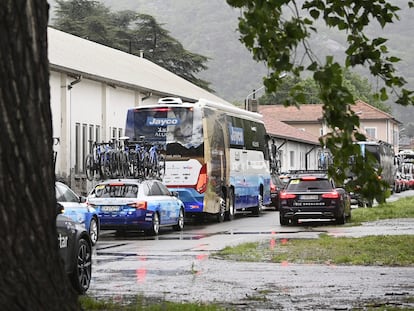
x=74, y=55
x=279, y=129
x=313, y=112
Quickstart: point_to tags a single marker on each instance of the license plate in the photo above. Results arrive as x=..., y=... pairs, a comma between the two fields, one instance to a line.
x=109, y=208
x=309, y=197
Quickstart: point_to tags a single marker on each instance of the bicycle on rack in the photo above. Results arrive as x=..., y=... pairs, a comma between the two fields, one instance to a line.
x=138, y=157
x=156, y=163
x=93, y=162
x=116, y=160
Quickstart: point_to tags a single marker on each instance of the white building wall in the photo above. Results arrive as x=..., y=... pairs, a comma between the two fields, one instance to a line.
x=118, y=101
x=299, y=152
x=83, y=113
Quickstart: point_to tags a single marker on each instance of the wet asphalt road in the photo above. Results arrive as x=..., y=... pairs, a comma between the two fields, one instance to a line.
x=180, y=266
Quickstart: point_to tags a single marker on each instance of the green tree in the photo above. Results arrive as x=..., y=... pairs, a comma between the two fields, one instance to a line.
x=288, y=87
x=32, y=273
x=130, y=32
x=359, y=87
x=278, y=32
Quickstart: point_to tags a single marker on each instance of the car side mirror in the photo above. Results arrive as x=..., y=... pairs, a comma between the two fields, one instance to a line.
x=82, y=199
x=59, y=208
x=175, y=194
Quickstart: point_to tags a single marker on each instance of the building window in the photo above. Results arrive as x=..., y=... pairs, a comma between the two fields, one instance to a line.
x=371, y=132
x=77, y=147
x=84, y=143
x=90, y=141
x=395, y=137
x=114, y=132
x=97, y=133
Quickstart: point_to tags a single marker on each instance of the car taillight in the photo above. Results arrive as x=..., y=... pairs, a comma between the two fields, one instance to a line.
x=285, y=195
x=273, y=187
x=331, y=195
x=139, y=205
x=201, y=185
x=308, y=178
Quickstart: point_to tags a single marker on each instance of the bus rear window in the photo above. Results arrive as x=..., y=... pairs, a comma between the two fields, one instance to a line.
x=164, y=125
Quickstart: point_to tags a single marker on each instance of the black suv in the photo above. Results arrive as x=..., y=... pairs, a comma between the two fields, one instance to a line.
x=312, y=195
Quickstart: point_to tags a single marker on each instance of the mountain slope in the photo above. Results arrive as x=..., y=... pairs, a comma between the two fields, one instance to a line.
x=210, y=28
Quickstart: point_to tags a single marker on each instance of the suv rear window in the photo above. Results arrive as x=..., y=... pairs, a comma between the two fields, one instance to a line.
x=115, y=190
x=308, y=185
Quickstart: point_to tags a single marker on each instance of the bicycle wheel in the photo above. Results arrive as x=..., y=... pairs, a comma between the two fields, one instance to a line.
x=105, y=165
x=114, y=164
x=90, y=167
x=144, y=165
x=152, y=166
x=123, y=164
x=161, y=166
x=133, y=164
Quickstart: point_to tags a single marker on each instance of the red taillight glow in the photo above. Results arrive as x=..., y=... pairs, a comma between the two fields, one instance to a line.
x=273, y=187
x=308, y=178
x=201, y=185
x=331, y=195
x=139, y=205
x=161, y=109
x=285, y=195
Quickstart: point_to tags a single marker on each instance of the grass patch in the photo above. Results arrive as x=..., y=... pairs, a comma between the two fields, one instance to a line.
x=143, y=304
x=380, y=250
x=403, y=208
x=387, y=250
x=396, y=250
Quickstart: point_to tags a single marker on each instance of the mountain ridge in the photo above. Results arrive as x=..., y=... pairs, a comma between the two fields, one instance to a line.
x=210, y=29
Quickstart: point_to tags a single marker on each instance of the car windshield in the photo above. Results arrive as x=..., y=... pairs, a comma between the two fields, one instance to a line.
x=308, y=185
x=115, y=190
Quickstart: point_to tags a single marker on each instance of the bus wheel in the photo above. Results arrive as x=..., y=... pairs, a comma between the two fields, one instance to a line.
x=222, y=211
x=230, y=202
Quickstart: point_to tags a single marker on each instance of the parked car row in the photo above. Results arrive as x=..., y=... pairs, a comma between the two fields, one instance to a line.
x=147, y=205
x=121, y=205
x=403, y=182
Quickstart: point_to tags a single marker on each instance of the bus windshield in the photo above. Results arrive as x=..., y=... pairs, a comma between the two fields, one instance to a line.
x=166, y=125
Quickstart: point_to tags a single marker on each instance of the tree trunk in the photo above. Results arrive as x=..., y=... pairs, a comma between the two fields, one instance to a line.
x=32, y=276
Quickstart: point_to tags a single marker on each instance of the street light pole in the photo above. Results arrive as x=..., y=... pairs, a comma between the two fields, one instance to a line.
x=246, y=103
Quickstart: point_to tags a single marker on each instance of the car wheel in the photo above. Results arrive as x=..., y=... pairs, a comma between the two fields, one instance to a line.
x=94, y=231
x=82, y=273
x=180, y=222
x=155, y=225
x=258, y=209
x=283, y=220
x=230, y=201
x=341, y=219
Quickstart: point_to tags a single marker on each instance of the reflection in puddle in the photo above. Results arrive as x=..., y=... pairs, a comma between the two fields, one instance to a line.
x=141, y=272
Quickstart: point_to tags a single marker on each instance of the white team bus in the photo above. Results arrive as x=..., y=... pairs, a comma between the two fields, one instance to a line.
x=217, y=156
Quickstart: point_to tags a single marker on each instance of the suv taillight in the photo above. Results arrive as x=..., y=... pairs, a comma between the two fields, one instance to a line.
x=284, y=195
x=331, y=195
